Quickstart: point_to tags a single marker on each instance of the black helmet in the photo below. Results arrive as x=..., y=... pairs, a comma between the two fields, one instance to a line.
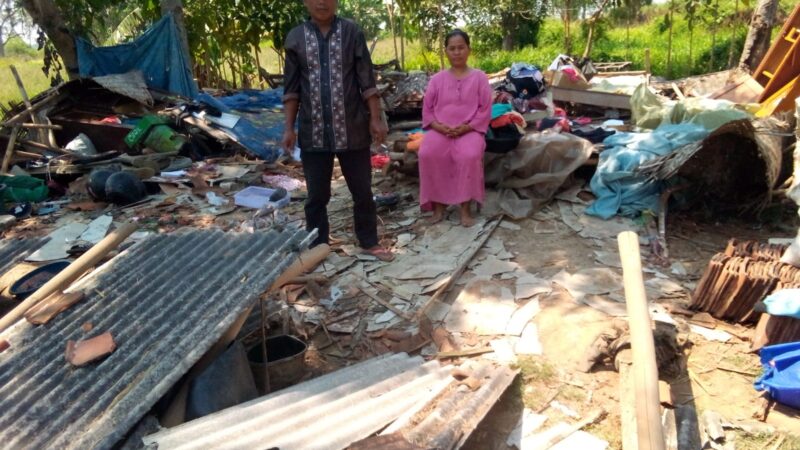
x=124, y=188
x=97, y=184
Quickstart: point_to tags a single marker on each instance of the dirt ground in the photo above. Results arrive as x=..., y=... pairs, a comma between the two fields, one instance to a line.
x=719, y=375
x=567, y=329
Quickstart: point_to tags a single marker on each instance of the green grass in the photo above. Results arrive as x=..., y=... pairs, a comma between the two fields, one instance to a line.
x=30, y=71
x=613, y=44
x=763, y=440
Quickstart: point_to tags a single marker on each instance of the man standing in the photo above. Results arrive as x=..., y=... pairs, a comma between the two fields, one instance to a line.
x=329, y=80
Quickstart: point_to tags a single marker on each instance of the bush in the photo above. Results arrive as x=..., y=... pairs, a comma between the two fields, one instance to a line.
x=17, y=47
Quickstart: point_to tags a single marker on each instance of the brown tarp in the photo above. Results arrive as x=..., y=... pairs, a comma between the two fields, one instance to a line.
x=526, y=178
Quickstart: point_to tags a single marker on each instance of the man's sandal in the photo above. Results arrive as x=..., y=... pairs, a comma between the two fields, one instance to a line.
x=379, y=252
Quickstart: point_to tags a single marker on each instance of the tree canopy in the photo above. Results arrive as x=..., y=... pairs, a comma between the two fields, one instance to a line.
x=225, y=36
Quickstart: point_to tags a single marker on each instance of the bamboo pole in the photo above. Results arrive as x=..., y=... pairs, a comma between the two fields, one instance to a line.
x=12, y=141
x=46, y=134
x=42, y=126
x=307, y=261
x=70, y=274
x=644, y=370
x=23, y=115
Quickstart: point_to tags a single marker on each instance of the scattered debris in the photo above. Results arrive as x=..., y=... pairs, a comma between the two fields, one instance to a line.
x=51, y=306
x=88, y=350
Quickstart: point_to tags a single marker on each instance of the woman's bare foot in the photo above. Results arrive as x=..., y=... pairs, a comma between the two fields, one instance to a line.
x=438, y=213
x=466, y=219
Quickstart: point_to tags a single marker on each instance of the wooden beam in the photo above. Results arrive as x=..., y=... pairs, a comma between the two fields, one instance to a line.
x=44, y=126
x=12, y=141
x=44, y=135
x=595, y=98
x=39, y=145
x=644, y=370
x=21, y=116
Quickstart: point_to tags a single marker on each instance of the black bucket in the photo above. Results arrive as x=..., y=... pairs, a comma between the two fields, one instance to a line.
x=286, y=361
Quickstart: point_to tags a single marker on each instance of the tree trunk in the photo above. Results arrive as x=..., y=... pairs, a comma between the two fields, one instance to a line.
x=176, y=8
x=759, y=34
x=733, y=37
x=402, y=42
x=46, y=15
x=669, y=42
x=390, y=10
x=592, y=24
x=509, y=30
x=566, y=17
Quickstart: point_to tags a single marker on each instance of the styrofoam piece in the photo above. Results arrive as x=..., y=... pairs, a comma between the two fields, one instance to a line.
x=258, y=197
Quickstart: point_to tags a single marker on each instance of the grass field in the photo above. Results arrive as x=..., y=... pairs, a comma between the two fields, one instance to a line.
x=30, y=71
x=610, y=46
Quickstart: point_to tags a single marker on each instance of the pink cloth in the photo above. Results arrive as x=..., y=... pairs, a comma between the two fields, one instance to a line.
x=451, y=170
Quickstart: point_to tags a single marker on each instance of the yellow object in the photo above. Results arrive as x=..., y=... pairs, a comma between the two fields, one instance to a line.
x=782, y=100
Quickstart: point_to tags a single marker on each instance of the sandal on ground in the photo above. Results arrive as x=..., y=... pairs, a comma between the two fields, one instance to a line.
x=379, y=252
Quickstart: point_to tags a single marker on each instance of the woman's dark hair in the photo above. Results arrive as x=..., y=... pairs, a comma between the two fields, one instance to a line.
x=454, y=33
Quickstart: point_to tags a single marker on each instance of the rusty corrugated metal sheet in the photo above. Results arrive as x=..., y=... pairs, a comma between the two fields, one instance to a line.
x=446, y=420
x=328, y=412
x=166, y=301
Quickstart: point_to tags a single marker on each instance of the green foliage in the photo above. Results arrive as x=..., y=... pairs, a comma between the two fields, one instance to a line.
x=19, y=48
x=610, y=46
x=30, y=70
x=430, y=20
x=371, y=15
x=225, y=36
x=494, y=23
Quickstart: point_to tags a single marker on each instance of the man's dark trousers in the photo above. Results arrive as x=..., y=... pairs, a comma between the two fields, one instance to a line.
x=357, y=171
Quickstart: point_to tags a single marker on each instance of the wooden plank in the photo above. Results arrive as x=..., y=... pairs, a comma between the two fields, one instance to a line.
x=399, y=312
x=39, y=145
x=781, y=63
x=43, y=126
x=594, y=98
x=20, y=117
x=644, y=369
x=10, y=149
x=23, y=93
x=45, y=135
x=627, y=406
x=621, y=73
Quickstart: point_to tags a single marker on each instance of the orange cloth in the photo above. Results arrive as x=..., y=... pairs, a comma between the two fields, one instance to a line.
x=415, y=140
x=512, y=117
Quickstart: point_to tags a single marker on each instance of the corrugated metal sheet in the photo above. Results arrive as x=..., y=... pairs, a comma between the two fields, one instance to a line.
x=446, y=421
x=328, y=412
x=131, y=85
x=12, y=251
x=166, y=301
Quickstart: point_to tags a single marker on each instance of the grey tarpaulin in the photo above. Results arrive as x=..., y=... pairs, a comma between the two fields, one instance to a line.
x=531, y=174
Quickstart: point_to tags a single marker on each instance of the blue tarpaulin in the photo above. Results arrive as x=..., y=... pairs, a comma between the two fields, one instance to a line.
x=781, y=377
x=157, y=54
x=617, y=187
x=260, y=128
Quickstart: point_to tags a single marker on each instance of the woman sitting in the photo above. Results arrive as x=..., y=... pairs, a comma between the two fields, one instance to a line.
x=456, y=113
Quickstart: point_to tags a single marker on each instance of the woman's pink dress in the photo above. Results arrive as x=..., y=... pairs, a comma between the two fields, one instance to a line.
x=451, y=169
